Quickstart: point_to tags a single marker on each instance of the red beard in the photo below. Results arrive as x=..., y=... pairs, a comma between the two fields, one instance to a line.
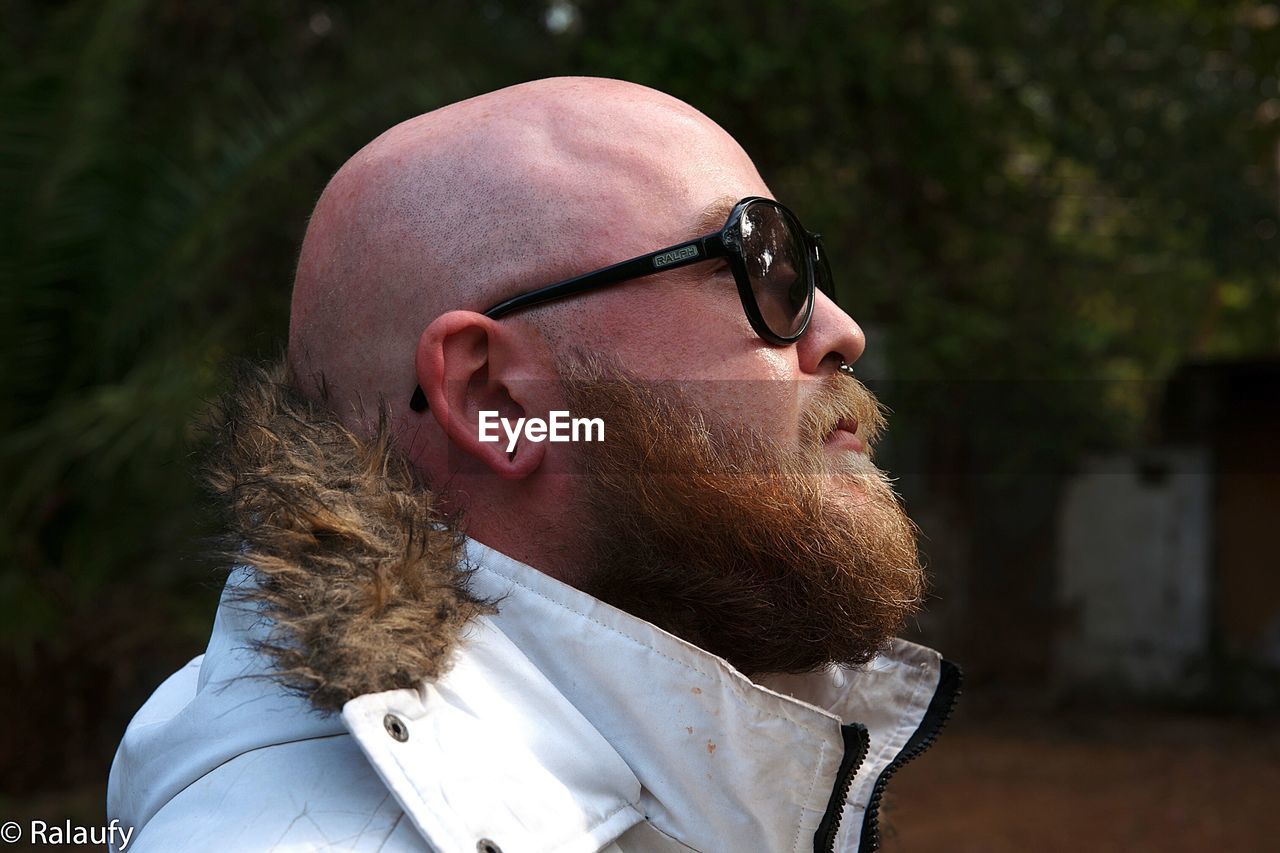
x=776, y=560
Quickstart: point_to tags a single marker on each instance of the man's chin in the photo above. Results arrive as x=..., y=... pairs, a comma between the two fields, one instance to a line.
x=846, y=486
x=851, y=465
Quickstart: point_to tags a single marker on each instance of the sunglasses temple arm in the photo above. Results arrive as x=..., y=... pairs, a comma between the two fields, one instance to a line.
x=662, y=260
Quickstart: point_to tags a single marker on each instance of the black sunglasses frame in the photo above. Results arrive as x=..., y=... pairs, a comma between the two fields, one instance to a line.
x=725, y=243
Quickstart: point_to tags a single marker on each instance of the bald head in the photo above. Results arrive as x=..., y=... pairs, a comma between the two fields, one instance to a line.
x=464, y=206
x=452, y=212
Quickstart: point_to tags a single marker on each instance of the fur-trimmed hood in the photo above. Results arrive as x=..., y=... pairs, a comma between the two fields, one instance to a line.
x=357, y=572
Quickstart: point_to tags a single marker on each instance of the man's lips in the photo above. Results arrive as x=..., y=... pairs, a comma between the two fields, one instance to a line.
x=845, y=437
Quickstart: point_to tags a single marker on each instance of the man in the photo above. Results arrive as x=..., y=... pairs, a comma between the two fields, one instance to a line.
x=675, y=638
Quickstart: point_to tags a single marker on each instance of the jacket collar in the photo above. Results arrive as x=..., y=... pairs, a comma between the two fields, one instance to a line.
x=707, y=756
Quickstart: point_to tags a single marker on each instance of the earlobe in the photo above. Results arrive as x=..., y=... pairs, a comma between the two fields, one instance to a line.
x=525, y=458
x=465, y=367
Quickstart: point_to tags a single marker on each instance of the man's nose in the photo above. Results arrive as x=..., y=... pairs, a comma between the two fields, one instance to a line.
x=832, y=337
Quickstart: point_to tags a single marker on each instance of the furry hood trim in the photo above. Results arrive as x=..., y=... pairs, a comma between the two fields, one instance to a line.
x=357, y=572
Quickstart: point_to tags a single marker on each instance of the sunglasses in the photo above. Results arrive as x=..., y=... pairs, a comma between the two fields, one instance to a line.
x=776, y=264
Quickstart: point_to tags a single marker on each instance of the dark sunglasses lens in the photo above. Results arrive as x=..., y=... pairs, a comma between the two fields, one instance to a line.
x=777, y=267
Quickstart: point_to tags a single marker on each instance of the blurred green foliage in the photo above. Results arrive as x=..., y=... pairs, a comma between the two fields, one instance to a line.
x=1078, y=194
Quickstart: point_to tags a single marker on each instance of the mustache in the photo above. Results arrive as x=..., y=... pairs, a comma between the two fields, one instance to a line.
x=841, y=398
x=835, y=400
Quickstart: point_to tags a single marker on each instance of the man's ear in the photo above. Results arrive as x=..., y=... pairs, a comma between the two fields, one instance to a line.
x=467, y=364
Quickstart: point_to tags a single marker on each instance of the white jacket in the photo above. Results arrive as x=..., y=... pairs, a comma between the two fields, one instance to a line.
x=564, y=725
x=556, y=723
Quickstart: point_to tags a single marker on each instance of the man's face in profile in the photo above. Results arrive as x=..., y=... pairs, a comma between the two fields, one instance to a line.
x=733, y=500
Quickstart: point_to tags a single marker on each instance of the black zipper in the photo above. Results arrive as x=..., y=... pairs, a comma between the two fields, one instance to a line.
x=856, y=741
x=944, y=699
